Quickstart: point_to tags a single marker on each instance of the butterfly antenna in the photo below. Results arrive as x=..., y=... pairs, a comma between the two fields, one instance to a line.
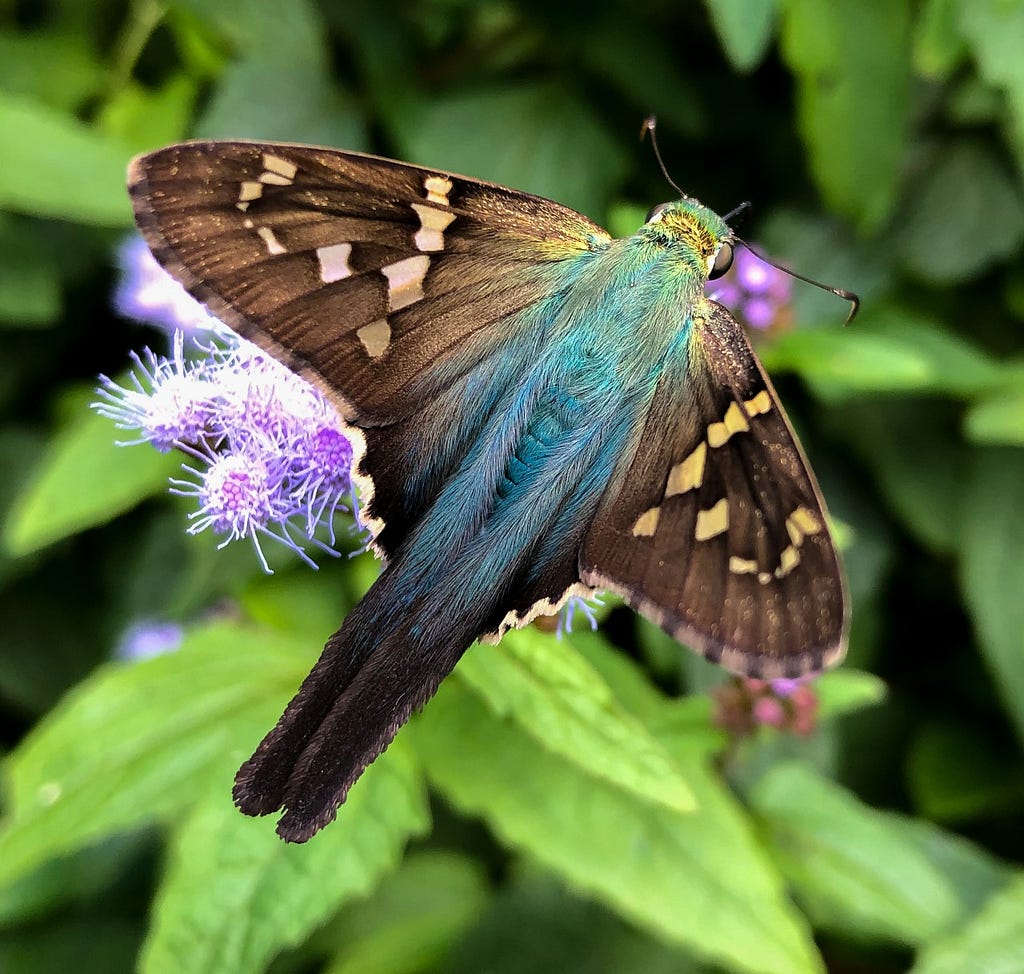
x=650, y=126
x=837, y=291
x=738, y=211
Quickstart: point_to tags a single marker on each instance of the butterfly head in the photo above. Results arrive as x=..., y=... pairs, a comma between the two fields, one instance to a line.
x=700, y=237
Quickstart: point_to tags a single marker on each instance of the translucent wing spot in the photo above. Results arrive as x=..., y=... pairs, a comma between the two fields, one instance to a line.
x=734, y=421
x=437, y=189
x=276, y=166
x=274, y=246
x=712, y=522
x=688, y=474
x=433, y=223
x=376, y=336
x=760, y=404
x=788, y=560
x=405, y=280
x=742, y=566
x=801, y=523
x=274, y=179
x=334, y=262
x=250, y=189
x=647, y=523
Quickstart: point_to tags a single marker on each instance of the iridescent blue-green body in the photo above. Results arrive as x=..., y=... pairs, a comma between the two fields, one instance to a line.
x=537, y=411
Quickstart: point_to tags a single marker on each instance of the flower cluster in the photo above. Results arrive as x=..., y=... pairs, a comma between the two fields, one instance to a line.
x=742, y=705
x=269, y=455
x=754, y=291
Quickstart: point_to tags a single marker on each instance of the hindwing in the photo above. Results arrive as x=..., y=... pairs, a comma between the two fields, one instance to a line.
x=715, y=528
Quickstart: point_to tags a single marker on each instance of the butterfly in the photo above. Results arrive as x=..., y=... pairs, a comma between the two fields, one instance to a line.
x=537, y=411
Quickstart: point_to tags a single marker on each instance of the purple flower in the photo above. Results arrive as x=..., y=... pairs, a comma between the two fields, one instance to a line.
x=742, y=705
x=577, y=603
x=148, y=638
x=147, y=293
x=169, y=401
x=269, y=455
x=756, y=292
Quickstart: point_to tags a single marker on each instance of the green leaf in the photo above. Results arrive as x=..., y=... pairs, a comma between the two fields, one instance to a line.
x=963, y=214
x=540, y=138
x=695, y=879
x=75, y=880
x=83, y=479
x=888, y=350
x=627, y=53
x=956, y=773
x=924, y=486
x=564, y=705
x=991, y=570
x=990, y=942
x=993, y=29
x=234, y=894
x=851, y=60
x=279, y=35
x=536, y=924
x=938, y=43
x=143, y=118
x=30, y=285
x=93, y=945
x=55, y=166
x=139, y=742
x=998, y=419
x=846, y=691
x=413, y=919
x=73, y=73
x=850, y=869
x=971, y=872
x=744, y=28
x=300, y=106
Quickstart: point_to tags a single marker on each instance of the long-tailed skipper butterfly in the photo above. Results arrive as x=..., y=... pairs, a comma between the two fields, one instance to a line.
x=537, y=410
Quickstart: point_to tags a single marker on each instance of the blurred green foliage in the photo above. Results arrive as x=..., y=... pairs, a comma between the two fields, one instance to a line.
x=566, y=805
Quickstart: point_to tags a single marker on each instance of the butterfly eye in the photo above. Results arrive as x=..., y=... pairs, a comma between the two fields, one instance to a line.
x=654, y=213
x=723, y=261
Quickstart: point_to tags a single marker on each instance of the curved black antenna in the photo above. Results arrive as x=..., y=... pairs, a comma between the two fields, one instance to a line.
x=837, y=291
x=649, y=126
x=736, y=211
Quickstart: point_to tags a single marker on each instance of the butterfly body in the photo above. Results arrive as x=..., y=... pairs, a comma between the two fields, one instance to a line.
x=537, y=411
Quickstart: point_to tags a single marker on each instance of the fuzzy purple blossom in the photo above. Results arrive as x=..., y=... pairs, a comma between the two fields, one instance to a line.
x=268, y=455
x=742, y=705
x=147, y=293
x=587, y=607
x=147, y=638
x=754, y=291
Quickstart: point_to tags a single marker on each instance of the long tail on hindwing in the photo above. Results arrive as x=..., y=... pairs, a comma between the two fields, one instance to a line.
x=375, y=671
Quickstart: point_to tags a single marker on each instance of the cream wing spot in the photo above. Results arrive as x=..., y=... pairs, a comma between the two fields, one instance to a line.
x=250, y=190
x=712, y=522
x=689, y=473
x=274, y=179
x=734, y=421
x=433, y=223
x=788, y=560
x=647, y=523
x=801, y=523
x=405, y=280
x=742, y=566
x=333, y=261
x=376, y=336
x=280, y=167
x=760, y=404
x=437, y=189
x=274, y=246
